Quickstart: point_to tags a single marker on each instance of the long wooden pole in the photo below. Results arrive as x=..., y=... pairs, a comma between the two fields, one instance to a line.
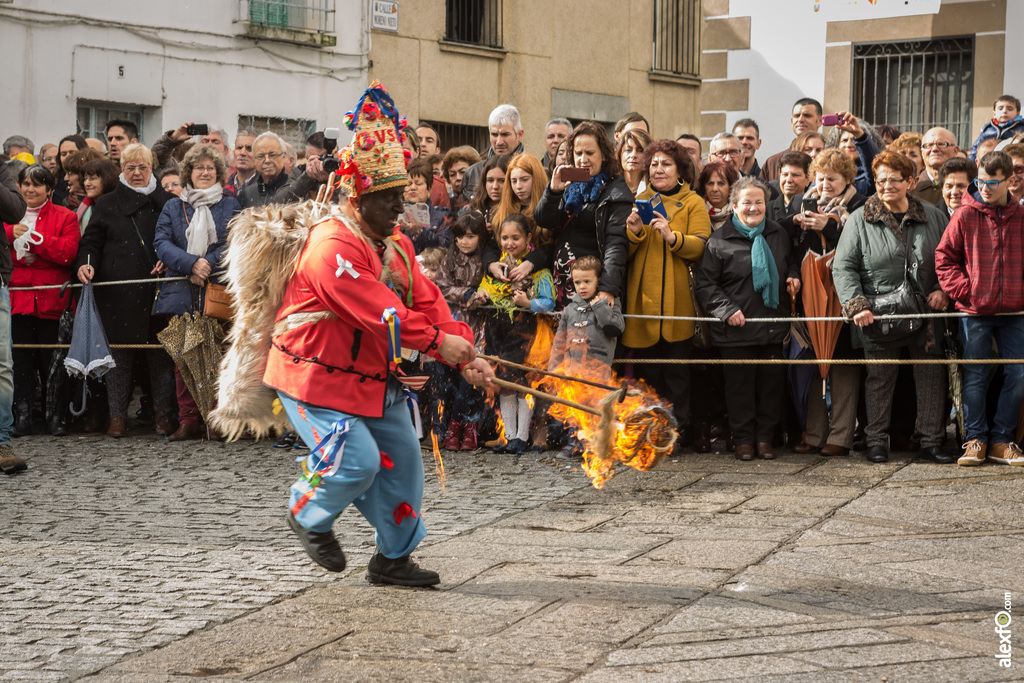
x=527, y=368
x=546, y=396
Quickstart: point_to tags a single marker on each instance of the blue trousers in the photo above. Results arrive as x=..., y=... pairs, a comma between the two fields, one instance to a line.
x=977, y=334
x=372, y=463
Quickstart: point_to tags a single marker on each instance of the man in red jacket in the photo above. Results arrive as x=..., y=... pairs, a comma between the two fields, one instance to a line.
x=980, y=265
x=356, y=298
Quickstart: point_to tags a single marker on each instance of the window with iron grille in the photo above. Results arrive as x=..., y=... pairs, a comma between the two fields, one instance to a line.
x=676, y=48
x=92, y=117
x=456, y=135
x=475, y=22
x=916, y=85
x=316, y=16
x=294, y=131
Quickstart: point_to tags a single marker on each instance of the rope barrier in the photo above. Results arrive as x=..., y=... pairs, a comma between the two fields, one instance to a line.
x=815, y=361
x=787, y=319
x=68, y=346
x=141, y=281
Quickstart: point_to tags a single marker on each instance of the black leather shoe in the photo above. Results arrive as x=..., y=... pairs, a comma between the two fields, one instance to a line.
x=22, y=419
x=937, y=455
x=877, y=454
x=321, y=546
x=56, y=427
x=400, y=571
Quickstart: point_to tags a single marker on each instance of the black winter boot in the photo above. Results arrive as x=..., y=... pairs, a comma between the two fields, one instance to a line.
x=22, y=419
x=400, y=571
x=321, y=546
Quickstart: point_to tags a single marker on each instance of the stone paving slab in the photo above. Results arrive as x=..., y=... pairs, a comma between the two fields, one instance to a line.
x=150, y=561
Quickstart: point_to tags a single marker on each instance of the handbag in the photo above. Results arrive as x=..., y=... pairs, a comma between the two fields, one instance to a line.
x=218, y=302
x=701, y=328
x=903, y=300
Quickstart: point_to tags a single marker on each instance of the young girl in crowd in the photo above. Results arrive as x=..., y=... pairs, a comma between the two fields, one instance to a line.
x=458, y=278
x=487, y=193
x=509, y=333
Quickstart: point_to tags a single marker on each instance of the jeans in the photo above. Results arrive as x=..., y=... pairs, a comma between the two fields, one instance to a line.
x=977, y=334
x=6, y=367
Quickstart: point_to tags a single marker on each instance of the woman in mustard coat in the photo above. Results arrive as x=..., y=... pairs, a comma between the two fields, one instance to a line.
x=658, y=282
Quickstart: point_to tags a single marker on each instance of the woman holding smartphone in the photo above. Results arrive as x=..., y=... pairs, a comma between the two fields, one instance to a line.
x=585, y=206
x=658, y=279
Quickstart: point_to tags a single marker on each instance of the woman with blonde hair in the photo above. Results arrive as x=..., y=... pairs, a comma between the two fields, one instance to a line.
x=118, y=245
x=525, y=180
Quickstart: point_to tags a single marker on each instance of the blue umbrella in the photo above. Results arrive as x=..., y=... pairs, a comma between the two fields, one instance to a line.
x=89, y=355
x=796, y=346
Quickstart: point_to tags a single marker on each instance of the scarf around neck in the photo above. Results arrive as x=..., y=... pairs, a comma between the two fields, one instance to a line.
x=579, y=194
x=148, y=189
x=202, y=230
x=762, y=262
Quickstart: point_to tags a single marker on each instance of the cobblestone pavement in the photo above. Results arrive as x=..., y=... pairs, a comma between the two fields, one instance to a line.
x=140, y=560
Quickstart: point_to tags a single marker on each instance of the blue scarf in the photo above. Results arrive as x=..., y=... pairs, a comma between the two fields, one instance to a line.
x=578, y=194
x=762, y=262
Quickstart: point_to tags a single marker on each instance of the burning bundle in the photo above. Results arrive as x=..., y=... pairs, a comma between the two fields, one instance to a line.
x=632, y=425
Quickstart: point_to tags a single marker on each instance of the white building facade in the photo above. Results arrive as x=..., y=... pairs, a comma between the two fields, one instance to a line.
x=908, y=63
x=292, y=66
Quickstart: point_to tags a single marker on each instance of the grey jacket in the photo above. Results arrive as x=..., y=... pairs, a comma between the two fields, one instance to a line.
x=587, y=329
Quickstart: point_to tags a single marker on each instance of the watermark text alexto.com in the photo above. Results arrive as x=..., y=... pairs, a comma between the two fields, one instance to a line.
x=1003, y=620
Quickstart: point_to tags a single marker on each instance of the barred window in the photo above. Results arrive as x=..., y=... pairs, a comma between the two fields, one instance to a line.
x=476, y=22
x=677, y=37
x=93, y=116
x=316, y=16
x=915, y=85
x=457, y=134
x=294, y=131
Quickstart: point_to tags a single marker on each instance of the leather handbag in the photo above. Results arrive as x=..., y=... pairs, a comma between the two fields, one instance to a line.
x=218, y=303
x=904, y=300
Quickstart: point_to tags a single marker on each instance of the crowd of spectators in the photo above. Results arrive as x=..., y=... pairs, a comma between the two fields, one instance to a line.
x=604, y=224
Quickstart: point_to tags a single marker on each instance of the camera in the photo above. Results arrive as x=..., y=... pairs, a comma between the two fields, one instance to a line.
x=331, y=163
x=198, y=129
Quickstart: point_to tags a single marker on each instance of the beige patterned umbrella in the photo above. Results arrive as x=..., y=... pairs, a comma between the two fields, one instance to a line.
x=196, y=343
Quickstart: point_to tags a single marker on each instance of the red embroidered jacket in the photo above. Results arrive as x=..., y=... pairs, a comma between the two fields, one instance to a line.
x=343, y=363
x=980, y=260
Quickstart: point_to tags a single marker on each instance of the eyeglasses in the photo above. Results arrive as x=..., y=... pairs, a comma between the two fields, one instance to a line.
x=1018, y=170
x=936, y=145
x=990, y=184
x=205, y=169
x=885, y=182
x=270, y=155
x=727, y=153
x=141, y=168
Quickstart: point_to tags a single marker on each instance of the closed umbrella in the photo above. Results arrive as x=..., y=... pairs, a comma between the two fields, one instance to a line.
x=89, y=355
x=956, y=380
x=57, y=378
x=797, y=345
x=195, y=342
x=821, y=301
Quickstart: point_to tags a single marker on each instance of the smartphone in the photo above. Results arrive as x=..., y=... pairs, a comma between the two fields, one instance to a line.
x=830, y=120
x=418, y=214
x=649, y=208
x=569, y=174
x=809, y=204
x=198, y=129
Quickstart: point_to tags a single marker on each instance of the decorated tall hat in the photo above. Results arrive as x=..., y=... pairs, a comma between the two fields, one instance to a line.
x=375, y=160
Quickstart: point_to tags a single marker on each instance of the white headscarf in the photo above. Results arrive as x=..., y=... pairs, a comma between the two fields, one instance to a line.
x=202, y=230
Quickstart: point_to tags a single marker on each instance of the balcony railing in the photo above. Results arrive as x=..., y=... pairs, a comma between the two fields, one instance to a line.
x=289, y=19
x=474, y=22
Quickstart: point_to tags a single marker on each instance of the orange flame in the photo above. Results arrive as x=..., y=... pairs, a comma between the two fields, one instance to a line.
x=438, y=461
x=644, y=429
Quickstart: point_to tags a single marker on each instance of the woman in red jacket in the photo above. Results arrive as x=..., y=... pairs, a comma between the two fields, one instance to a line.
x=43, y=245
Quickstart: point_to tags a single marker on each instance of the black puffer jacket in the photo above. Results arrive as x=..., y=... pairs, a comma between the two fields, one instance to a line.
x=12, y=210
x=118, y=243
x=725, y=284
x=613, y=208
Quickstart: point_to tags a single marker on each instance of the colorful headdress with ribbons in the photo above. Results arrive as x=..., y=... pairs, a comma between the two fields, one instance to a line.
x=376, y=159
